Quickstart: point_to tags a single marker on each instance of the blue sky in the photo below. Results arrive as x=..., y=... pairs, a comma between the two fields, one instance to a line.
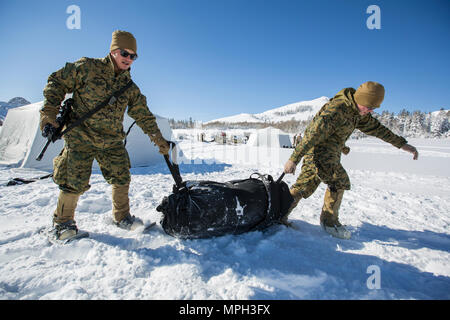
x=207, y=59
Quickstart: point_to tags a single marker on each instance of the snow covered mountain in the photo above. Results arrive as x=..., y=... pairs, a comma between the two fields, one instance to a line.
x=13, y=103
x=18, y=102
x=298, y=111
x=408, y=124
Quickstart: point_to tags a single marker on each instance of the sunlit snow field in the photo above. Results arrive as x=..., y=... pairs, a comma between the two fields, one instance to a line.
x=398, y=212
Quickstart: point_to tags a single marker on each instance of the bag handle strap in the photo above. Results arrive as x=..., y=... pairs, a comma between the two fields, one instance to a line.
x=173, y=168
x=269, y=177
x=280, y=178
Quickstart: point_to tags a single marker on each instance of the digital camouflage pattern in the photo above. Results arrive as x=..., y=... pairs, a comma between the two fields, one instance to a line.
x=92, y=81
x=324, y=139
x=72, y=168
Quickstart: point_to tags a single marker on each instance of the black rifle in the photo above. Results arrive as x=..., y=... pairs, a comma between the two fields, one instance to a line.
x=110, y=101
x=62, y=119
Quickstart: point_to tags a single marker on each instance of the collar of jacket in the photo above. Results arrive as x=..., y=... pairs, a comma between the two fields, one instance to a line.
x=108, y=61
x=348, y=94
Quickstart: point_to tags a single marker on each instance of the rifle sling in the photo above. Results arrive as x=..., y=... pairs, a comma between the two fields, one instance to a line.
x=89, y=114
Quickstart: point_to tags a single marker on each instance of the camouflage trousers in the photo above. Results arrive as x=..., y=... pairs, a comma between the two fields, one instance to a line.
x=73, y=167
x=320, y=167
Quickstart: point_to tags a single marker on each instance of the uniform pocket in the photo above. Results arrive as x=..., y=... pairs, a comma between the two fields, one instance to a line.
x=60, y=168
x=115, y=165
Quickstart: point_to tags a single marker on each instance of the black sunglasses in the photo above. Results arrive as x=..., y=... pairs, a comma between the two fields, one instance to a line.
x=125, y=53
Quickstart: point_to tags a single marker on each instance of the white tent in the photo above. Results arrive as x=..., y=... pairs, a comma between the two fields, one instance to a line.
x=21, y=141
x=269, y=137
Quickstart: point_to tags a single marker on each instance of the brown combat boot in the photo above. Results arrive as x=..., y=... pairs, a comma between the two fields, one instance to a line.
x=65, y=209
x=120, y=202
x=64, y=226
x=329, y=218
x=121, y=208
x=297, y=197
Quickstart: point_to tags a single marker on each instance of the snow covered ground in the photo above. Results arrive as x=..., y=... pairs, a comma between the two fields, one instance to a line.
x=398, y=211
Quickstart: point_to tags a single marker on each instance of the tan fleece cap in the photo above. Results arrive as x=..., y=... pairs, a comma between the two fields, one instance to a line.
x=370, y=94
x=123, y=40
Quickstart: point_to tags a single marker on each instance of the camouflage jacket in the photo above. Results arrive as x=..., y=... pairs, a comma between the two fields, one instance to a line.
x=92, y=81
x=335, y=122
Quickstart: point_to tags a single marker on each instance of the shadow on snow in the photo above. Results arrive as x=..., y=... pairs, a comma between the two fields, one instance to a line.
x=304, y=264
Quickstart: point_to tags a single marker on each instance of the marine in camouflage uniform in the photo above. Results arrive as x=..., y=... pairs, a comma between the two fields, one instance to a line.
x=324, y=141
x=100, y=137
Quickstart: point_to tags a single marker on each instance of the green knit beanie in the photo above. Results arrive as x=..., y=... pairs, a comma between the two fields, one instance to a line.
x=123, y=40
x=370, y=94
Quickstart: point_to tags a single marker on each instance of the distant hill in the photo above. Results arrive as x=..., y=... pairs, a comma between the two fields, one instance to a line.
x=298, y=111
x=295, y=117
x=13, y=103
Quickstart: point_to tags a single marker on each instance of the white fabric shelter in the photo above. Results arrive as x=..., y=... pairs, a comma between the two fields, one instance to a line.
x=21, y=141
x=269, y=137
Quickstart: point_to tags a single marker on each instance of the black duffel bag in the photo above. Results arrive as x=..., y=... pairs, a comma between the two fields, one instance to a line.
x=203, y=209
